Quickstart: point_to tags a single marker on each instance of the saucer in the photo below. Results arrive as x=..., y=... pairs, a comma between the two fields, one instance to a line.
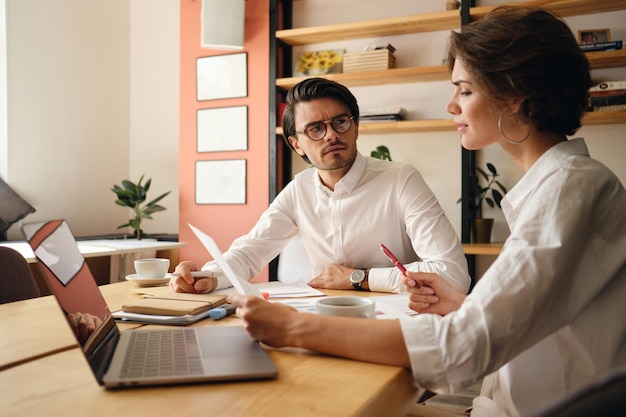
x=148, y=282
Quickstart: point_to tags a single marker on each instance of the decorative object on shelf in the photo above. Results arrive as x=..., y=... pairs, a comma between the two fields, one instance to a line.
x=319, y=63
x=481, y=227
x=372, y=59
x=453, y=4
x=381, y=152
x=588, y=36
x=133, y=195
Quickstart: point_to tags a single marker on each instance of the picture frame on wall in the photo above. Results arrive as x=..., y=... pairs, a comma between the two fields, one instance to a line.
x=221, y=181
x=590, y=36
x=222, y=76
x=222, y=129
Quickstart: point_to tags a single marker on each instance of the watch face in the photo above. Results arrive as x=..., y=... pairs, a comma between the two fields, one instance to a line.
x=357, y=276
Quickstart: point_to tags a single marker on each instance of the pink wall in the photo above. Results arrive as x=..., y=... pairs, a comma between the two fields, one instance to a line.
x=224, y=222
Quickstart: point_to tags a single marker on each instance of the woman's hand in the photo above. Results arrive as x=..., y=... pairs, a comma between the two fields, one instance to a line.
x=434, y=294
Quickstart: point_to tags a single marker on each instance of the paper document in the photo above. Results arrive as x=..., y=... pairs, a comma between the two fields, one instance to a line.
x=241, y=285
x=394, y=306
x=277, y=289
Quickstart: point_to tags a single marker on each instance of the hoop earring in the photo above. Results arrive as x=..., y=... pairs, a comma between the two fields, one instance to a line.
x=505, y=136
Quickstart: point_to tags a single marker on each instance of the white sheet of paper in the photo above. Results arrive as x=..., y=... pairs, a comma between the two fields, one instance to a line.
x=277, y=289
x=241, y=285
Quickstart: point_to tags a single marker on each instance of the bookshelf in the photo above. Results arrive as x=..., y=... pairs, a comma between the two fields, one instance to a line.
x=438, y=21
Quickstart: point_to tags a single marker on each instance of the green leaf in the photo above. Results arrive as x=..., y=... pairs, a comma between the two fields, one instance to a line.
x=497, y=197
x=502, y=188
x=130, y=186
x=159, y=198
x=483, y=173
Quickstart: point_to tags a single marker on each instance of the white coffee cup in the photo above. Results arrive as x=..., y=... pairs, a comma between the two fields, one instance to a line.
x=346, y=306
x=152, y=267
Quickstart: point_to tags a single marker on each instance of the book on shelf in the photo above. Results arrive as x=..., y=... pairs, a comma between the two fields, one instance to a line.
x=608, y=85
x=607, y=100
x=614, y=107
x=601, y=46
x=389, y=114
x=602, y=93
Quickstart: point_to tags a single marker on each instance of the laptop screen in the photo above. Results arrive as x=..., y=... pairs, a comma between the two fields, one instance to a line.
x=70, y=280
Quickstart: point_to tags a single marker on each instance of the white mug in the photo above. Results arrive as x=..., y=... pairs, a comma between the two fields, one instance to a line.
x=346, y=306
x=152, y=267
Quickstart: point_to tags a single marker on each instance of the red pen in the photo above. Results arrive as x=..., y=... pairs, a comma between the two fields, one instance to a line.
x=395, y=261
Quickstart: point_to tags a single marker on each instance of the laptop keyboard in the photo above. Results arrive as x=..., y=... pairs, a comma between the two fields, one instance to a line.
x=162, y=353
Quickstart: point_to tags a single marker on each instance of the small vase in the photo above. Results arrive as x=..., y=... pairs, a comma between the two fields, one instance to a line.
x=481, y=230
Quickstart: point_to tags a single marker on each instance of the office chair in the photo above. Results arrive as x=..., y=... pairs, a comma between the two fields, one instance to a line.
x=16, y=279
x=293, y=263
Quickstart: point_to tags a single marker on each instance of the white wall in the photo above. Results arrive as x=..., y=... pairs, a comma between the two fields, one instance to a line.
x=155, y=103
x=91, y=102
x=438, y=155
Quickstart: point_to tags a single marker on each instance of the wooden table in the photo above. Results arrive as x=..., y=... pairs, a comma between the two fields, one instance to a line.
x=34, y=328
x=116, y=249
x=51, y=377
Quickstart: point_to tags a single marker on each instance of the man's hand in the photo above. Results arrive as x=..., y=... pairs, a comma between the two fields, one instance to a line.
x=435, y=295
x=270, y=323
x=183, y=281
x=335, y=277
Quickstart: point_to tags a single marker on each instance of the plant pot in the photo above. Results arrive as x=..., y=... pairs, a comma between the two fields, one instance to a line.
x=481, y=230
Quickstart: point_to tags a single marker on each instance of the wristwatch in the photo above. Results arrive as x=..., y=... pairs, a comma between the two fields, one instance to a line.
x=357, y=277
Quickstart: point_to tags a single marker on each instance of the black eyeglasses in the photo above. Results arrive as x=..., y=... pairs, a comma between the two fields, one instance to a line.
x=317, y=130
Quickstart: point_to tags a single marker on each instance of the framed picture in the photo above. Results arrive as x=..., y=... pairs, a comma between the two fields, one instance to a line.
x=594, y=36
x=221, y=182
x=319, y=63
x=222, y=76
x=222, y=129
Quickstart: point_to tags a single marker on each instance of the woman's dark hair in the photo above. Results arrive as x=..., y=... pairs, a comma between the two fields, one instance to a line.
x=531, y=54
x=311, y=89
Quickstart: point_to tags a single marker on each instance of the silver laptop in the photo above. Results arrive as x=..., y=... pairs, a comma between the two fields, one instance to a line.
x=137, y=357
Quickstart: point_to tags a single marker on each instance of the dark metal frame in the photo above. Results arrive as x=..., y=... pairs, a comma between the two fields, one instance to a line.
x=281, y=12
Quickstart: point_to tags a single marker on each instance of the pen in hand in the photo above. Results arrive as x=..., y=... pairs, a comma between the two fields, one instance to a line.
x=395, y=261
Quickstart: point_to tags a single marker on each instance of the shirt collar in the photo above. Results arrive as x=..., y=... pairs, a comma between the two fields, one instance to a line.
x=547, y=163
x=350, y=180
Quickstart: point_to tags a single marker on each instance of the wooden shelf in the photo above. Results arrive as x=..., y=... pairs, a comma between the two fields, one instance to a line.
x=482, y=248
x=604, y=117
x=447, y=125
x=403, y=126
x=604, y=59
x=607, y=59
x=562, y=8
x=379, y=77
x=403, y=25
x=427, y=22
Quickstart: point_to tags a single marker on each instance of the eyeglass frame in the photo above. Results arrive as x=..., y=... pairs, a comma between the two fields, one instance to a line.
x=324, y=123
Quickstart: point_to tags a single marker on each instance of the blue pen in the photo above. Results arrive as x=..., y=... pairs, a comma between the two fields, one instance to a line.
x=222, y=311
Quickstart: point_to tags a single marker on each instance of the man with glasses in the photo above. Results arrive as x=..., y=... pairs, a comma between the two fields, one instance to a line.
x=343, y=208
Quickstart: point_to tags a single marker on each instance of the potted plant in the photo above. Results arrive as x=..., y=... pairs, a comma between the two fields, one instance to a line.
x=381, y=152
x=133, y=195
x=492, y=193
